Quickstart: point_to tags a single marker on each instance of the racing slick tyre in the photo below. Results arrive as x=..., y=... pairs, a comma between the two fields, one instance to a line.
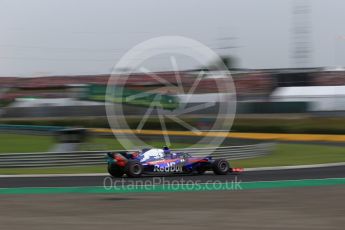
x=220, y=167
x=134, y=169
x=115, y=170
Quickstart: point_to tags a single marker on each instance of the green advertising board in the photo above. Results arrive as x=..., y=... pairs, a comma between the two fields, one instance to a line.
x=132, y=97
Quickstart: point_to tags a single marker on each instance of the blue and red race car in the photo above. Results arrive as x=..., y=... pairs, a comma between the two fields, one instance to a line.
x=163, y=162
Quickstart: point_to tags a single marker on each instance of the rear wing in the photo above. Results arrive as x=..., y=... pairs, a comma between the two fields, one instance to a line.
x=127, y=155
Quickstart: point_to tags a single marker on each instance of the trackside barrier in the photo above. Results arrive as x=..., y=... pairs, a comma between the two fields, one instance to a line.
x=41, y=128
x=84, y=158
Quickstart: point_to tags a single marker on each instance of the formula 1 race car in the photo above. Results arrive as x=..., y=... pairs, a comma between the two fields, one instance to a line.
x=161, y=162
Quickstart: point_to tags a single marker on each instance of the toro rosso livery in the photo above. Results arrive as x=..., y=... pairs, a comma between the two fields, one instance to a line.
x=163, y=161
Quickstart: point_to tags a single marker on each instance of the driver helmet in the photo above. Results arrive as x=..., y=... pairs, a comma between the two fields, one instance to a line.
x=166, y=150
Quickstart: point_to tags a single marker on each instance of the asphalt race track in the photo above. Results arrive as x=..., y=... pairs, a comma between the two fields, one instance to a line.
x=267, y=175
x=317, y=207
x=271, y=209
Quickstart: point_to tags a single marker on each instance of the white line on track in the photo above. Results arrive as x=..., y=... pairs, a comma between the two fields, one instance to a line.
x=245, y=170
x=54, y=175
x=295, y=167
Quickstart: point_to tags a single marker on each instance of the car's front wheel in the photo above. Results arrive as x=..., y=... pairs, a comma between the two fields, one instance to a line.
x=221, y=167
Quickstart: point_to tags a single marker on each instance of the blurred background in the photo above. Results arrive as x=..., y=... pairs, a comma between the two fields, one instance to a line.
x=284, y=98
x=286, y=59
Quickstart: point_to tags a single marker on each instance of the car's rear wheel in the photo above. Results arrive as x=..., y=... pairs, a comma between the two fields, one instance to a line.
x=115, y=170
x=221, y=167
x=134, y=169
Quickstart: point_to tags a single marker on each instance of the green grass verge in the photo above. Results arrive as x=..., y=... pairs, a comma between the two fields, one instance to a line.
x=106, y=143
x=284, y=154
x=295, y=154
x=15, y=143
x=177, y=188
x=273, y=123
x=57, y=170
